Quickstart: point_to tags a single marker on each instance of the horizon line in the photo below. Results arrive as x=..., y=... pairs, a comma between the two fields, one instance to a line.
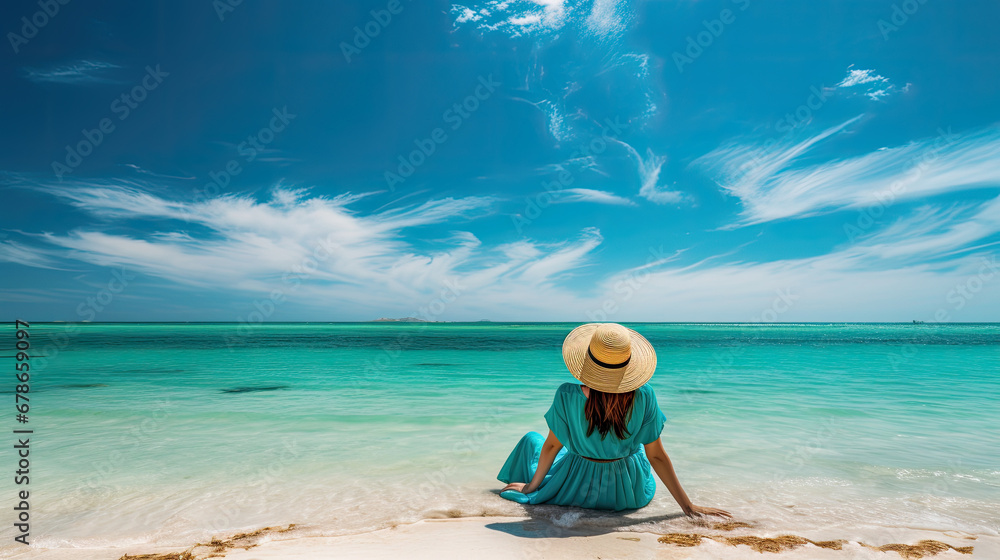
x=512, y=322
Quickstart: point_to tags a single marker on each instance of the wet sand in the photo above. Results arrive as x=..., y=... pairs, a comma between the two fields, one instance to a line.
x=489, y=538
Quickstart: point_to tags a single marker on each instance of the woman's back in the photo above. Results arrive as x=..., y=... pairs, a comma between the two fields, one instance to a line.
x=621, y=479
x=568, y=422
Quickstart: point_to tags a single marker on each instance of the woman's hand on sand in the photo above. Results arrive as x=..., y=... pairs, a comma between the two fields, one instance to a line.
x=698, y=511
x=515, y=486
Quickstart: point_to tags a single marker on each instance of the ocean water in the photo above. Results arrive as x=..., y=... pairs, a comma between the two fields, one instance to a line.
x=170, y=433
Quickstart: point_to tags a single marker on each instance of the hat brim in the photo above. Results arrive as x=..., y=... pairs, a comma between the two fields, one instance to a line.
x=639, y=370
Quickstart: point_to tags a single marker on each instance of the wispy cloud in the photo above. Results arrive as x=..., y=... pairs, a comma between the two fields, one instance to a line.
x=858, y=76
x=242, y=244
x=512, y=17
x=874, y=86
x=559, y=126
x=244, y=247
x=544, y=269
x=931, y=232
x=648, y=168
x=907, y=271
x=602, y=61
x=607, y=18
x=80, y=72
x=14, y=252
x=779, y=181
x=140, y=170
x=877, y=94
x=590, y=195
x=251, y=238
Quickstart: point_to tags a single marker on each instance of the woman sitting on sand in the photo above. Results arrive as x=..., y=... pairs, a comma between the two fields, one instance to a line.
x=604, y=435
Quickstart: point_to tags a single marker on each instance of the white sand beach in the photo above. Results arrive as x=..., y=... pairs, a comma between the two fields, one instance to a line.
x=495, y=538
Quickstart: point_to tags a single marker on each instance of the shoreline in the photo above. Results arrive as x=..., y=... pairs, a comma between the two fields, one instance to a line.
x=489, y=538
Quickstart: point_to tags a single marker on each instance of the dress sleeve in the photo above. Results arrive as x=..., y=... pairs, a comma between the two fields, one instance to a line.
x=556, y=418
x=652, y=422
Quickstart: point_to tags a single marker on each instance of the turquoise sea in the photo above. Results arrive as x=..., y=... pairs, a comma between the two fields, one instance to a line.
x=169, y=433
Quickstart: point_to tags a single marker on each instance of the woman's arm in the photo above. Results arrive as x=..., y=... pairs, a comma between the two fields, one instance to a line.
x=665, y=470
x=548, y=454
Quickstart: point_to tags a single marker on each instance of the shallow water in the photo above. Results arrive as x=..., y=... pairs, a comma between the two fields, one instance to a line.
x=167, y=433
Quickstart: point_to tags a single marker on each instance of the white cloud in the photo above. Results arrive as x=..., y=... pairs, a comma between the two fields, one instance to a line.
x=607, y=79
x=513, y=18
x=331, y=252
x=648, y=169
x=14, y=252
x=529, y=19
x=605, y=20
x=813, y=290
x=544, y=269
x=931, y=232
x=878, y=87
x=775, y=182
x=858, y=76
x=590, y=195
x=251, y=237
x=907, y=271
x=558, y=126
x=877, y=94
x=465, y=14
x=242, y=247
x=554, y=12
x=80, y=72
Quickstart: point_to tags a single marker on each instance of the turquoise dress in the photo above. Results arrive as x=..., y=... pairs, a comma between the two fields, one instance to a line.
x=627, y=483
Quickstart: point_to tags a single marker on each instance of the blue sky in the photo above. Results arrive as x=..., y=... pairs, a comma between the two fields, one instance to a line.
x=507, y=160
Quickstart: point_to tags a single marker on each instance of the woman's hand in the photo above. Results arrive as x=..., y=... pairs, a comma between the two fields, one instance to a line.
x=698, y=511
x=516, y=486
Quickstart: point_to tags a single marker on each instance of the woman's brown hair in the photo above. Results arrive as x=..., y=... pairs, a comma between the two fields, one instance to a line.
x=607, y=411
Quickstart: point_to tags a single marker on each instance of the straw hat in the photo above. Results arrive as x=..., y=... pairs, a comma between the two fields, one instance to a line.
x=609, y=357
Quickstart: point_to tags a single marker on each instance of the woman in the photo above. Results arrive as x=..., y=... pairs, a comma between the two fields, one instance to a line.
x=604, y=435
